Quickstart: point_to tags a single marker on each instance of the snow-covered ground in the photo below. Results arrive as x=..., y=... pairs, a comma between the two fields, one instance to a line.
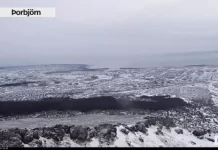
x=196, y=82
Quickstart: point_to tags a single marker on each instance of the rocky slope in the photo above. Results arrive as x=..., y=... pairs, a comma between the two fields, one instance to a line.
x=152, y=132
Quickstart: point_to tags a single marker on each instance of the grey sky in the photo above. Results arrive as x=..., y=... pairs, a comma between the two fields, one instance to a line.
x=108, y=32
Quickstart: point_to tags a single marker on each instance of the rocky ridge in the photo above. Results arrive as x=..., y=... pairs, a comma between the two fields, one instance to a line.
x=106, y=135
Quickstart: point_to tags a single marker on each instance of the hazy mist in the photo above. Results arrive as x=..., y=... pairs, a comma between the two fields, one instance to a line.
x=112, y=33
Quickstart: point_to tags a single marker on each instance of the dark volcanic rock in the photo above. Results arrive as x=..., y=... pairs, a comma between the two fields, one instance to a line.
x=141, y=139
x=132, y=128
x=200, y=137
x=56, y=133
x=138, y=127
x=199, y=132
x=159, y=131
x=35, y=134
x=150, y=122
x=66, y=129
x=193, y=143
x=141, y=127
x=92, y=133
x=59, y=132
x=36, y=143
x=78, y=133
x=106, y=132
x=22, y=132
x=28, y=137
x=179, y=131
x=167, y=122
x=209, y=139
x=10, y=138
x=125, y=131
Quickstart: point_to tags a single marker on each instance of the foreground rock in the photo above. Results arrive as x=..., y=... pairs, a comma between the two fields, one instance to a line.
x=179, y=131
x=79, y=133
x=199, y=132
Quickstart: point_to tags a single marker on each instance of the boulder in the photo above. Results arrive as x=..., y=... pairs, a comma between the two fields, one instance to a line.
x=10, y=138
x=66, y=129
x=167, y=122
x=113, y=134
x=179, y=131
x=198, y=132
x=92, y=133
x=35, y=134
x=141, y=127
x=125, y=131
x=26, y=135
x=150, y=122
x=28, y=138
x=54, y=133
x=146, y=124
x=211, y=140
x=193, y=143
x=159, y=130
x=22, y=132
x=36, y=143
x=14, y=142
x=106, y=133
x=200, y=137
x=59, y=132
x=78, y=133
x=140, y=139
x=132, y=128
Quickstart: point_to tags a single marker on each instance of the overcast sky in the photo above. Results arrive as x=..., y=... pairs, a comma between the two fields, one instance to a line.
x=110, y=32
